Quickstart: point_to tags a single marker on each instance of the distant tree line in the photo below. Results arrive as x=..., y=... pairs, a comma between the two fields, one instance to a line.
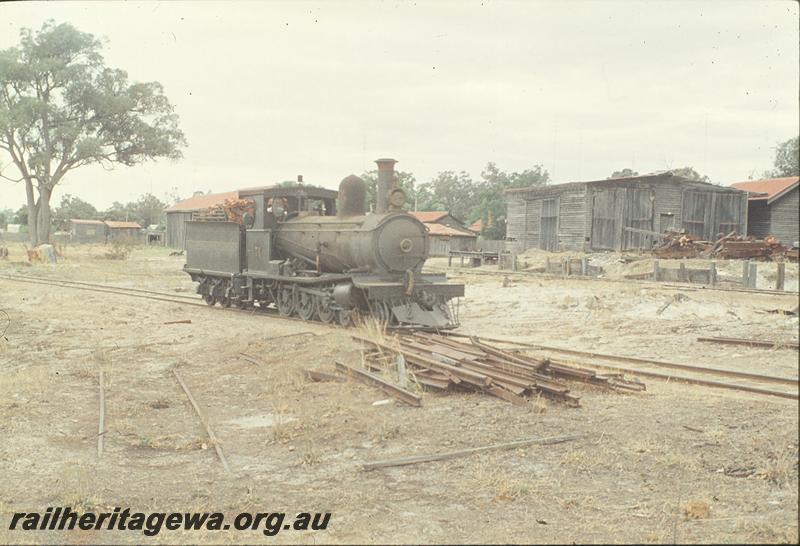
x=462, y=196
x=146, y=210
x=456, y=192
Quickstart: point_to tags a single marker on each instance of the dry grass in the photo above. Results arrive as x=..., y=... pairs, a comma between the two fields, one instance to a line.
x=77, y=488
x=780, y=467
x=697, y=509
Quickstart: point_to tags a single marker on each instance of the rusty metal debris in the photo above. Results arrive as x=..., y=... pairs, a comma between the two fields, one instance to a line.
x=415, y=459
x=316, y=375
x=441, y=363
x=679, y=244
x=751, y=342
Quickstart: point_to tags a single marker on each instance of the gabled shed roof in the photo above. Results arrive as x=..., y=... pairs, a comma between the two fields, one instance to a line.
x=768, y=189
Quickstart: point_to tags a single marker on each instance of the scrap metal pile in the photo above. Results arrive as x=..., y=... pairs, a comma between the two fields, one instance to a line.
x=679, y=244
x=439, y=363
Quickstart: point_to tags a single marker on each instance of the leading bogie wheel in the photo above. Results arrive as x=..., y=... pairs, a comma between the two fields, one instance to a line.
x=345, y=317
x=209, y=299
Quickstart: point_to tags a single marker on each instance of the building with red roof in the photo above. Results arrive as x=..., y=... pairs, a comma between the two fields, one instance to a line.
x=445, y=232
x=772, y=208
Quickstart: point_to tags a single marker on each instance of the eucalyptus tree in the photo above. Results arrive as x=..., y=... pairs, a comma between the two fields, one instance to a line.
x=62, y=108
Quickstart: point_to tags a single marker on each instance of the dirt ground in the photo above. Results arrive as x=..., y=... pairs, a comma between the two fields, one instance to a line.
x=676, y=463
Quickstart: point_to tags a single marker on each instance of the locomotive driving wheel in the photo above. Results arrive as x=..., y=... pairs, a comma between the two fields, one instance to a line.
x=324, y=311
x=209, y=299
x=306, y=306
x=285, y=301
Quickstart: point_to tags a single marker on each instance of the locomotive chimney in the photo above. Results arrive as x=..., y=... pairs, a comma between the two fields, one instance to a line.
x=352, y=196
x=385, y=184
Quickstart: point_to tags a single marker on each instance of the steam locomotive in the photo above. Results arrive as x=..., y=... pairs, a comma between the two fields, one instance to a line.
x=295, y=249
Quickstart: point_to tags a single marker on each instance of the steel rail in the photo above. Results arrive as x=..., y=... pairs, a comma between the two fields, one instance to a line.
x=694, y=381
x=765, y=343
x=649, y=362
x=187, y=300
x=81, y=283
x=646, y=282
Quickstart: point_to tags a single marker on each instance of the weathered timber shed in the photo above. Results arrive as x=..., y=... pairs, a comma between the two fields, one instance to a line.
x=442, y=239
x=773, y=208
x=131, y=231
x=445, y=232
x=182, y=211
x=620, y=213
x=87, y=231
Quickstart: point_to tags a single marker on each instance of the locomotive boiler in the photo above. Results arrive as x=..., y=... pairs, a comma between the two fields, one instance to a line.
x=316, y=257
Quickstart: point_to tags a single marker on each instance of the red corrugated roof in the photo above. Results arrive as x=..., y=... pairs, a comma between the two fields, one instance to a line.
x=430, y=215
x=115, y=224
x=477, y=226
x=200, y=202
x=769, y=186
x=441, y=229
x=91, y=222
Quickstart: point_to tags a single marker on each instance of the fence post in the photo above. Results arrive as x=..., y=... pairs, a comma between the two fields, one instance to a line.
x=781, y=276
x=682, y=273
x=655, y=270
x=712, y=273
x=752, y=275
x=547, y=264
x=745, y=273
x=584, y=266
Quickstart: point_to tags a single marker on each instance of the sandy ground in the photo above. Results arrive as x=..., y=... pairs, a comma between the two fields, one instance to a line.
x=649, y=466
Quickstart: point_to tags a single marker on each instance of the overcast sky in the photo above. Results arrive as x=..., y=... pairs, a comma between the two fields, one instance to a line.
x=269, y=90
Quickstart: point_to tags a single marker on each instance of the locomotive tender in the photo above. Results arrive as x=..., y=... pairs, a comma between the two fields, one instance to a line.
x=296, y=250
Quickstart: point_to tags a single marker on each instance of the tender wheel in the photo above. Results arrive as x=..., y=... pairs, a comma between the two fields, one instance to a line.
x=345, y=317
x=285, y=301
x=324, y=311
x=306, y=306
x=225, y=301
x=209, y=299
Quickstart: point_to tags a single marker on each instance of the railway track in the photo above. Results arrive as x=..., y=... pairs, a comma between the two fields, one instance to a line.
x=787, y=387
x=697, y=375
x=156, y=296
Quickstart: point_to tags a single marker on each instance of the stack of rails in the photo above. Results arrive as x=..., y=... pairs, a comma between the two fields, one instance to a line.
x=441, y=363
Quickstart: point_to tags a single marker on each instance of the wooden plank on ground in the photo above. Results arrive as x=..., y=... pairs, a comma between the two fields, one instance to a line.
x=391, y=389
x=209, y=431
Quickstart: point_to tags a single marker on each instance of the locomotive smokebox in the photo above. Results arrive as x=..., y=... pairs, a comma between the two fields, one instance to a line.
x=352, y=196
x=387, y=195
